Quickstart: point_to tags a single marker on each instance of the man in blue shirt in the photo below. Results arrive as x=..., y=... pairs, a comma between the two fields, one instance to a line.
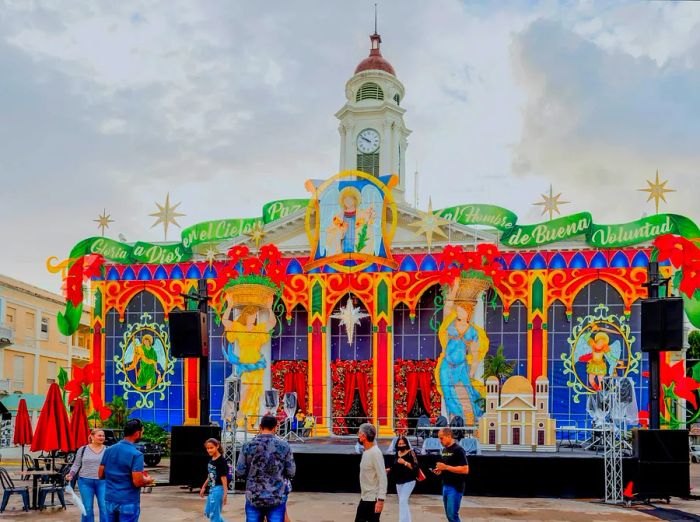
x=122, y=470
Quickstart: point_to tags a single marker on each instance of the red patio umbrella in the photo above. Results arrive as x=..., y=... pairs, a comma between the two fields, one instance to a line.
x=52, y=431
x=23, y=427
x=79, y=429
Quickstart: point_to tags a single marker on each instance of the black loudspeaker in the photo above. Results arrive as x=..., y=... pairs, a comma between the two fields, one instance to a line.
x=662, y=324
x=664, y=468
x=188, y=458
x=188, y=334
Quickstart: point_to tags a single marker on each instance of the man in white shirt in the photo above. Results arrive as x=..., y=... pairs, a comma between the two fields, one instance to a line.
x=373, y=480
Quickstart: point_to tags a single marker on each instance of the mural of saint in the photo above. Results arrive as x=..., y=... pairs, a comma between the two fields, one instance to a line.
x=463, y=347
x=600, y=355
x=352, y=228
x=245, y=338
x=146, y=358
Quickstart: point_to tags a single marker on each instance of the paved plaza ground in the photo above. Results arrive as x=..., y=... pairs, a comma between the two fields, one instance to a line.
x=175, y=504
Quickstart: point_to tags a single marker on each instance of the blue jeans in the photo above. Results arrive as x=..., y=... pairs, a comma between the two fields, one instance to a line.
x=452, y=499
x=122, y=512
x=89, y=489
x=273, y=514
x=212, y=509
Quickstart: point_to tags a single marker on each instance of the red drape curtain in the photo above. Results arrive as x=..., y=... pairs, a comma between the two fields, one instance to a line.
x=296, y=382
x=411, y=389
x=349, y=385
x=414, y=382
x=363, y=387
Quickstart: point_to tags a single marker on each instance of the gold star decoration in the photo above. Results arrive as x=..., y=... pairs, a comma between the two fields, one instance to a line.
x=657, y=191
x=429, y=223
x=257, y=233
x=103, y=221
x=550, y=203
x=166, y=215
x=209, y=251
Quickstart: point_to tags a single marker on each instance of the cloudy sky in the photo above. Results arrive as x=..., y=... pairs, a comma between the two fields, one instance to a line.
x=229, y=104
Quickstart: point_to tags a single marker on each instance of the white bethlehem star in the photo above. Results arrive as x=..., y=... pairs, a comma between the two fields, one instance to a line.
x=349, y=316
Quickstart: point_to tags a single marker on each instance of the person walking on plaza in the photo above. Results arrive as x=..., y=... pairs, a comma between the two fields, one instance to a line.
x=373, y=481
x=404, y=471
x=86, y=467
x=122, y=471
x=453, y=469
x=217, y=481
x=266, y=463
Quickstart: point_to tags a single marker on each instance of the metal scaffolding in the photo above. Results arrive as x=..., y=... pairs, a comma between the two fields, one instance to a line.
x=613, y=429
x=229, y=414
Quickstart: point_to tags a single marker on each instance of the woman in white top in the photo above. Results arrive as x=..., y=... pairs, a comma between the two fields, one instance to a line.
x=87, y=462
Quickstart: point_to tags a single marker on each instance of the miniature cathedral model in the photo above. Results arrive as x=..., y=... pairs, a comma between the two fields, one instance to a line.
x=519, y=420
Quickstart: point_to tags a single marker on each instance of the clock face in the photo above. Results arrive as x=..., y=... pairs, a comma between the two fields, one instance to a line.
x=368, y=141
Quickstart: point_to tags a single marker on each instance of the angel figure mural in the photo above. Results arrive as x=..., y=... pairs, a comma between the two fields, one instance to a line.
x=353, y=228
x=464, y=345
x=245, y=338
x=600, y=355
x=146, y=358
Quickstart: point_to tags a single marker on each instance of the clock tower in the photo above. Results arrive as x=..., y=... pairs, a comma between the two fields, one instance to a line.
x=372, y=131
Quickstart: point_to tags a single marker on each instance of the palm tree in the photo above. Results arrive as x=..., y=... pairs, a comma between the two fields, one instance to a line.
x=120, y=413
x=497, y=366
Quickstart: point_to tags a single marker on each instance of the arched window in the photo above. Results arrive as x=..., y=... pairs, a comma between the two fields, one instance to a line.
x=292, y=343
x=369, y=91
x=361, y=347
x=397, y=99
x=512, y=334
x=416, y=340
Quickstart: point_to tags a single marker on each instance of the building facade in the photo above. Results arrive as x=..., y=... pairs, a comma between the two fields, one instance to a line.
x=32, y=350
x=355, y=256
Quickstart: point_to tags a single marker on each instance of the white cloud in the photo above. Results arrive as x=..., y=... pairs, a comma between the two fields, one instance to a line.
x=228, y=105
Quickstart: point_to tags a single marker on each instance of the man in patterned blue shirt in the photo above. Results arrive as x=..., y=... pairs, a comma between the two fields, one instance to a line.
x=267, y=464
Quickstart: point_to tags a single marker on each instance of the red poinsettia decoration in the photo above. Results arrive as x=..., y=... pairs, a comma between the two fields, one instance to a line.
x=237, y=253
x=675, y=382
x=252, y=265
x=458, y=263
x=684, y=254
x=98, y=406
x=269, y=254
x=276, y=273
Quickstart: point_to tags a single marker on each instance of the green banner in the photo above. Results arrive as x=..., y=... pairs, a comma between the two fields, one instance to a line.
x=201, y=233
x=490, y=215
x=560, y=229
x=645, y=229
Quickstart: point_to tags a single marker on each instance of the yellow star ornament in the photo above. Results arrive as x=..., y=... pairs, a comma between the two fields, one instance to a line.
x=166, y=215
x=103, y=221
x=550, y=203
x=657, y=191
x=429, y=223
x=257, y=233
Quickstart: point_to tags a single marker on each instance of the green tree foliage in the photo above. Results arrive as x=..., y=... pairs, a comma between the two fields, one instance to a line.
x=120, y=413
x=497, y=366
x=693, y=345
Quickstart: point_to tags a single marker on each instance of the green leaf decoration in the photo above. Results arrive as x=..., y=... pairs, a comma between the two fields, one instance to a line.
x=696, y=372
x=361, y=239
x=69, y=320
x=62, y=377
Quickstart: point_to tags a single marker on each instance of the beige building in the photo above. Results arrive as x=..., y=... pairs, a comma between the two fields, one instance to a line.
x=518, y=418
x=31, y=348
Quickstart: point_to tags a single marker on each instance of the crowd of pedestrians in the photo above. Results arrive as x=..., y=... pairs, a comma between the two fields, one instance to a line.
x=113, y=477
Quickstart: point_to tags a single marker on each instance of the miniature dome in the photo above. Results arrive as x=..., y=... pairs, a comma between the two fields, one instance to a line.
x=517, y=385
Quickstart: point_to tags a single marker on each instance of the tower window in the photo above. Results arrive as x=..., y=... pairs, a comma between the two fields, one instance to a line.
x=396, y=99
x=369, y=91
x=368, y=163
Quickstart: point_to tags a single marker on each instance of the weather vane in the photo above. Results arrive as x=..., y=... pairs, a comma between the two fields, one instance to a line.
x=657, y=190
x=103, y=221
x=429, y=223
x=550, y=203
x=166, y=215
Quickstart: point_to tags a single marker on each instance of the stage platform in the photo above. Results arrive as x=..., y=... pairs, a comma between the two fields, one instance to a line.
x=331, y=465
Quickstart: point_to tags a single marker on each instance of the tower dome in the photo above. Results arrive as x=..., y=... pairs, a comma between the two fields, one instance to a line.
x=375, y=61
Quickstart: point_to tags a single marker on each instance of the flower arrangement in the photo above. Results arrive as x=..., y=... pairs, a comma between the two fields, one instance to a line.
x=480, y=264
x=338, y=370
x=81, y=269
x=401, y=370
x=83, y=385
x=281, y=368
x=253, y=280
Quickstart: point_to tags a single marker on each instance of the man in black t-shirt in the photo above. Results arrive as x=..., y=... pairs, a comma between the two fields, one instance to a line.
x=452, y=468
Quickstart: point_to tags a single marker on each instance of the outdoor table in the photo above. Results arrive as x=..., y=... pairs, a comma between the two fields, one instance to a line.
x=36, y=475
x=45, y=459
